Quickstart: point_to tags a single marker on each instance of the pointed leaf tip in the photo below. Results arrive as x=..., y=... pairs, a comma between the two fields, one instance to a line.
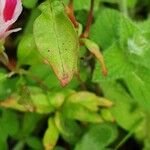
x=65, y=80
x=105, y=72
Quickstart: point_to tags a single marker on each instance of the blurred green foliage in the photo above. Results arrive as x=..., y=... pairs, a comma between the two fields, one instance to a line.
x=93, y=112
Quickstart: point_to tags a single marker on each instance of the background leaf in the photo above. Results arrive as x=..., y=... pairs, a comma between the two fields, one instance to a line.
x=98, y=137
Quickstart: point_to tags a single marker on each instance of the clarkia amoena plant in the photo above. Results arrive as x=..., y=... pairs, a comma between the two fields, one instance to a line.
x=9, y=13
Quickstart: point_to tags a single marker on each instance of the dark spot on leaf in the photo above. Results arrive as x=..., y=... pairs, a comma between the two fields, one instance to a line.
x=82, y=58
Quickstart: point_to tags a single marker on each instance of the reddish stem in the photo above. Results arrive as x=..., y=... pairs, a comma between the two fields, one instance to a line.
x=70, y=12
x=89, y=21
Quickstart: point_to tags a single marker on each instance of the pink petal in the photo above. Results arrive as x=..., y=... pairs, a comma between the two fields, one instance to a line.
x=17, y=10
x=9, y=9
x=14, y=8
x=2, y=5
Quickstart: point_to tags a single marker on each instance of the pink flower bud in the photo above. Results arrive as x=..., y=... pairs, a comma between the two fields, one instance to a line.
x=9, y=13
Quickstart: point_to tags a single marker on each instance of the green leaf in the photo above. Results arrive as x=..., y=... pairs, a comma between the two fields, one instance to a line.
x=125, y=109
x=132, y=3
x=7, y=117
x=34, y=143
x=69, y=130
x=29, y=3
x=144, y=25
x=40, y=101
x=51, y=31
x=58, y=97
x=125, y=62
x=29, y=123
x=81, y=112
x=139, y=50
x=35, y=99
x=51, y=135
x=117, y=65
x=134, y=43
x=3, y=76
x=9, y=127
x=105, y=29
x=88, y=100
x=140, y=92
x=7, y=87
x=98, y=137
x=30, y=99
x=3, y=140
x=43, y=73
x=107, y=115
x=127, y=29
x=141, y=133
x=29, y=25
x=146, y=144
x=27, y=52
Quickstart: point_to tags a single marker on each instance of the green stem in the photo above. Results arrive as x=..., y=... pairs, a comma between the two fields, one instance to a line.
x=134, y=127
x=123, y=7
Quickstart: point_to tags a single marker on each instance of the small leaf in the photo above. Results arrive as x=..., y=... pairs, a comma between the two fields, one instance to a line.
x=58, y=97
x=80, y=112
x=94, y=49
x=51, y=135
x=88, y=100
x=69, y=129
x=117, y=64
x=107, y=115
x=27, y=52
